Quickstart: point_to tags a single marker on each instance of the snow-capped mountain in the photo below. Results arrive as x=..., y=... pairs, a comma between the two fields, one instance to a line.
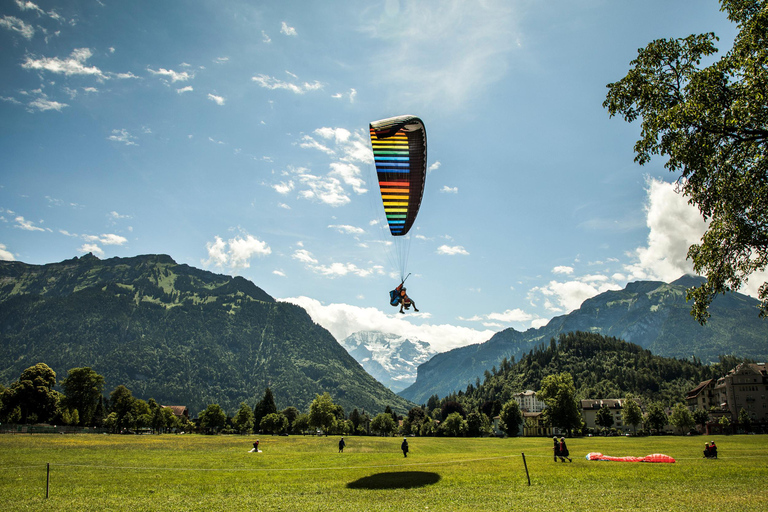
x=389, y=358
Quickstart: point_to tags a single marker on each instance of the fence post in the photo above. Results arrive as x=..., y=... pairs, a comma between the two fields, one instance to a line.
x=47, y=478
x=526, y=470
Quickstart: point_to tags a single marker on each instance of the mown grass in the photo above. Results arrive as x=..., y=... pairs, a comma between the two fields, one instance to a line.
x=212, y=473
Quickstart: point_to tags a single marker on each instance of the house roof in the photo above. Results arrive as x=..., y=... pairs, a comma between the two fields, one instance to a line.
x=611, y=403
x=698, y=389
x=178, y=410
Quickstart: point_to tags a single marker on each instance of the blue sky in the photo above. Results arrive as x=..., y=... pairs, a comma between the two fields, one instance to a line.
x=232, y=136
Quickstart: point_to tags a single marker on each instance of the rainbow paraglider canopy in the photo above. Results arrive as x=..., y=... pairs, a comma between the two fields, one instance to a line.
x=400, y=153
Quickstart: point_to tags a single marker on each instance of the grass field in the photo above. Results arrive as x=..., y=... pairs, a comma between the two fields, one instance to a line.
x=211, y=473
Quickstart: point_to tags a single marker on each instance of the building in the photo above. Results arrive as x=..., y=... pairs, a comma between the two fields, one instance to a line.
x=745, y=387
x=589, y=409
x=703, y=396
x=534, y=425
x=528, y=402
x=180, y=411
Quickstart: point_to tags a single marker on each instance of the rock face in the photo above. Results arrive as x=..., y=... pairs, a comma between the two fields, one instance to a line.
x=390, y=359
x=651, y=314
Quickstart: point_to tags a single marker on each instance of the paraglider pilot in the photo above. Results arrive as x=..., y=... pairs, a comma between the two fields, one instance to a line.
x=399, y=297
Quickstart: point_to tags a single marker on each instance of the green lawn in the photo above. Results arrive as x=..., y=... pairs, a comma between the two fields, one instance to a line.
x=169, y=472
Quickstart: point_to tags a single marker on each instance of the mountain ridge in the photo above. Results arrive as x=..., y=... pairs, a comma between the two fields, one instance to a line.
x=651, y=314
x=174, y=333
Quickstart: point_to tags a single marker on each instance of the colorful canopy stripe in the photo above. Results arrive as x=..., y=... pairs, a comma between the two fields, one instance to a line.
x=654, y=457
x=400, y=153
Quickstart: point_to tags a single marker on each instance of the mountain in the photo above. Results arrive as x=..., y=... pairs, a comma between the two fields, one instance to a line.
x=174, y=333
x=389, y=358
x=651, y=314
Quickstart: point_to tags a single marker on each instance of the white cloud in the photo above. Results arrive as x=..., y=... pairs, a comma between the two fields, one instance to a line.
x=123, y=136
x=5, y=254
x=106, y=239
x=42, y=104
x=288, y=31
x=185, y=89
x=283, y=187
x=673, y=226
x=173, y=75
x=327, y=190
x=26, y=225
x=265, y=37
x=304, y=256
x=348, y=230
x=219, y=100
x=95, y=249
x=435, y=166
x=221, y=60
x=569, y=295
x=29, y=6
x=343, y=319
x=452, y=251
x=562, y=270
x=235, y=253
x=279, y=273
x=74, y=65
x=449, y=190
x=350, y=174
x=270, y=82
x=335, y=269
x=14, y=24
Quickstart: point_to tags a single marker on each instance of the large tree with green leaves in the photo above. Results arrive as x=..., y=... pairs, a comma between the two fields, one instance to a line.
x=631, y=413
x=510, y=418
x=83, y=389
x=559, y=393
x=711, y=125
x=322, y=412
x=32, y=399
x=604, y=417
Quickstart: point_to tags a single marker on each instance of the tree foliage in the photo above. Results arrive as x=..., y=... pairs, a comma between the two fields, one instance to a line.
x=711, y=125
x=511, y=418
x=83, y=390
x=559, y=393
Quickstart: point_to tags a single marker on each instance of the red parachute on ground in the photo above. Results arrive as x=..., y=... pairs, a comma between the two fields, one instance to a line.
x=654, y=457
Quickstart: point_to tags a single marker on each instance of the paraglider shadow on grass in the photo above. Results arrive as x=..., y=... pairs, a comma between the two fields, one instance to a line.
x=396, y=480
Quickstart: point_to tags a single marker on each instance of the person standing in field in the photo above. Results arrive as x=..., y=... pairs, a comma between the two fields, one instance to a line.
x=563, y=451
x=342, y=444
x=556, y=449
x=404, y=447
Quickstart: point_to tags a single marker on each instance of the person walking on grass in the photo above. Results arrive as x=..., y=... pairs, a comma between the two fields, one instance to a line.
x=342, y=444
x=404, y=447
x=563, y=451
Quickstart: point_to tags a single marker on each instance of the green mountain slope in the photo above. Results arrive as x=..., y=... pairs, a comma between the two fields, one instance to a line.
x=175, y=333
x=651, y=314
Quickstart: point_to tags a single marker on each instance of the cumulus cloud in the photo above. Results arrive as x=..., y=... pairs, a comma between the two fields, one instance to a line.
x=182, y=90
x=270, y=82
x=449, y=190
x=14, y=24
x=122, y=136
x=219, y=100
x=5, y=254
x=265, y=37
x=341, y=320
x=562, y=270
x=288, y=31
x=26, y=225
x=42, y=104
x=106, y=239
x=235, y=253
x=347, y=229
x=335, y=269
x=435, y=166
x=92, y=248
x=174, y=76
x=452, y=250
x=673, y=226
x=74, y=65
x=564, y=297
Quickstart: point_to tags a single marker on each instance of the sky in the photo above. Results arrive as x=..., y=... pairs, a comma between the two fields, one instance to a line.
x=232, y=136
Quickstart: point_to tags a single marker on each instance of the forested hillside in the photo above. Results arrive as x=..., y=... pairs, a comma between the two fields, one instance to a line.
x=174, y=333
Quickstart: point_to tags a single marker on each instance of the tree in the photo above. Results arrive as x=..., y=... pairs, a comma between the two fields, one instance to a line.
x=559, y=393
x=682, y=418
x=243, y=420
x=454, y=425
x=322, y=412
x=711, y=125
x=290, y=413
x=700, y=417
x=265, y=406
x=301, y=423
x=83, y=388
x=745, y=421
x=510, y=418
x=274, y=422
x=631, y=414
x=32, y=399
x=213, y=418
x=657, y=418
x=121, y=403
x=604, y=417
x=383, y=424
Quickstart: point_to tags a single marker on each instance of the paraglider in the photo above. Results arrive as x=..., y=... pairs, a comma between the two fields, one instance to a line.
x=654, y=457
x=400, y=153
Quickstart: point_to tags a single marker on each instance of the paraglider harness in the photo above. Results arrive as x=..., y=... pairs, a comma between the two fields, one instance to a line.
x=394, y=296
